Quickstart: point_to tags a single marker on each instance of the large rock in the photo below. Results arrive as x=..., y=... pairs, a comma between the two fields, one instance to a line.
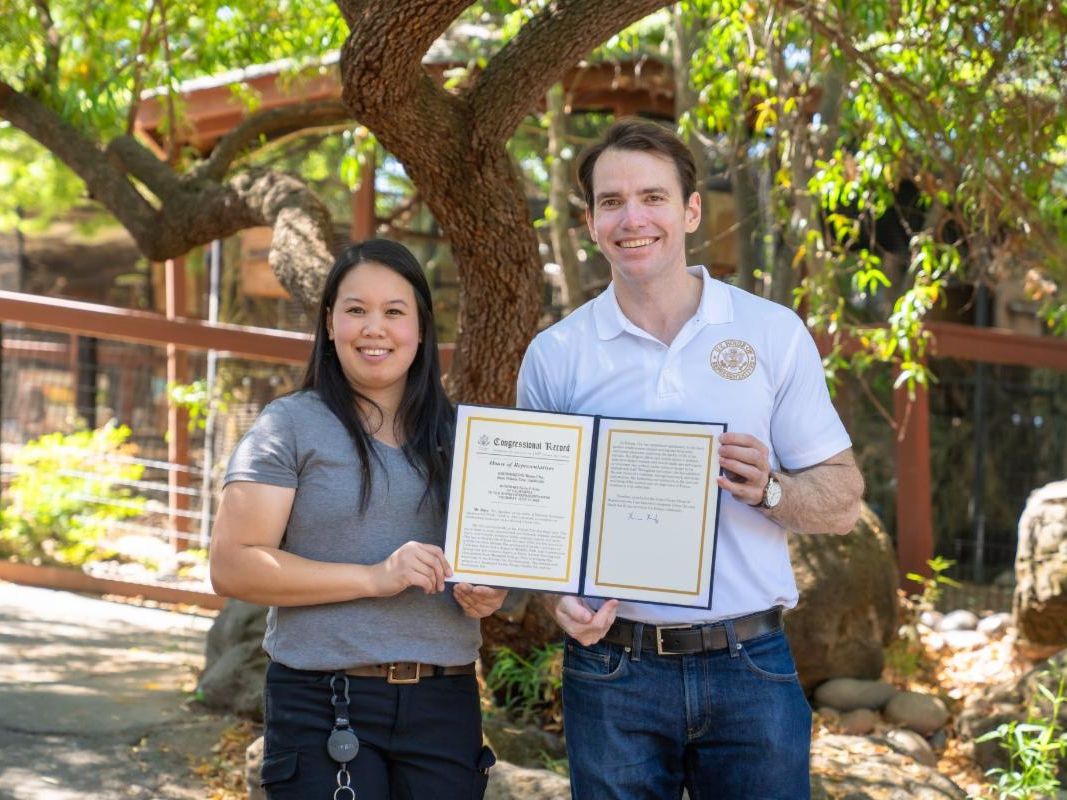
x=858, y=768
x=522, y=745
x=508, y=782
x=1040, y=603
x=922, y=713
x=234, y=663
x=848, y=694
x=848, y=602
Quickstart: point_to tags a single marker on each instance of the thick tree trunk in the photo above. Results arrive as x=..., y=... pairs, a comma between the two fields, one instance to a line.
x=454, y=149
x=495, y=250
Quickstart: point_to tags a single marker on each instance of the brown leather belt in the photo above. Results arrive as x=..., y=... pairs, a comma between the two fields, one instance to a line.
x=408, y=671
x=677, y=640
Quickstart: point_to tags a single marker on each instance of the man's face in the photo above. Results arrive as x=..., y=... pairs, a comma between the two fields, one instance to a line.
x=639, y=218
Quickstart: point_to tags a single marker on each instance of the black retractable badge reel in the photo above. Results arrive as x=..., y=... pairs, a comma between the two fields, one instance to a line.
x=343, y=743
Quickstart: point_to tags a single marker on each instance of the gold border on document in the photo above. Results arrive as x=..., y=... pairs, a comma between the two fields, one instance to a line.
x=703, y=524
x=574, y=498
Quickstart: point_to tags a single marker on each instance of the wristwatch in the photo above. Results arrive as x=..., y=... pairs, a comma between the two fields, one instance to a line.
x=772, y=493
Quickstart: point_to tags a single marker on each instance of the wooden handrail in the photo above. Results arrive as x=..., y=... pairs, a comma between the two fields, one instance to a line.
x=109, y=322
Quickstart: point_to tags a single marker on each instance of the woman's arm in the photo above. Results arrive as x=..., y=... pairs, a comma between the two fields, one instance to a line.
x=247, y=563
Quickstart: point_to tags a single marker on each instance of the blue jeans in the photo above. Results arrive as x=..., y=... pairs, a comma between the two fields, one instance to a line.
x=726, y=724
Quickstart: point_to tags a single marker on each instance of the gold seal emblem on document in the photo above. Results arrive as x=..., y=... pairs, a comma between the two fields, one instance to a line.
x=733, y=359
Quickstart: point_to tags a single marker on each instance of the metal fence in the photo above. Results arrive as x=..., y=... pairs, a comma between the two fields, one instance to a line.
x=997, y=432
x=158, y=499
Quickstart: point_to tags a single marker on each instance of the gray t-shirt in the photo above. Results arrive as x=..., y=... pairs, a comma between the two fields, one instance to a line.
x=297, y=442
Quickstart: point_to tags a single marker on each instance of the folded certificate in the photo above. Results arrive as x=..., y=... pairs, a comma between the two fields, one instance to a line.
x=588, y=505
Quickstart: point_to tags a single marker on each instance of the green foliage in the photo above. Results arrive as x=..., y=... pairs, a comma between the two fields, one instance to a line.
x=90, y=62
x=529, y=687
x=67, y=489
x=1035, y=747
x=932, y=584
x=194, y=398
x=906, y=657
x=843, y=104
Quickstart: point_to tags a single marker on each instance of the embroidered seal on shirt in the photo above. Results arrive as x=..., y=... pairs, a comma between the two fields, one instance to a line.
x=733, y=359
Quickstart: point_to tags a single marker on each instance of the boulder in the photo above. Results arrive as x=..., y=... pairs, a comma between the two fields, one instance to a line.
x=1040, y=600
x=848, y=602
x=858, y=722
x=847, y=694
x=234, y=663
x=508, y=782
x=922, y=713
x=909, y=743
x=238, y=622
x=522, y=745
x=234, y=682
x=859, y=768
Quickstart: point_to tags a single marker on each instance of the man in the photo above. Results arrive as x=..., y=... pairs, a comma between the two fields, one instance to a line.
x=657, y=697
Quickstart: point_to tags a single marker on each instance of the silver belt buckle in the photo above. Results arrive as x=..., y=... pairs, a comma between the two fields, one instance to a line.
x=659, y=638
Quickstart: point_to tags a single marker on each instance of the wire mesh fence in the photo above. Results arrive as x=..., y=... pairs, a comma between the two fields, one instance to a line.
x=145, y=506
x=997, y=433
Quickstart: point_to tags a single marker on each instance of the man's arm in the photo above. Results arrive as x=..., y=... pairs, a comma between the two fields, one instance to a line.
x=823, y=498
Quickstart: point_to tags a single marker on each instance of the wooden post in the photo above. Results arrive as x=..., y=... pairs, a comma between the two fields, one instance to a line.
x=364, y=220
x=177, y=418
x=915, y=530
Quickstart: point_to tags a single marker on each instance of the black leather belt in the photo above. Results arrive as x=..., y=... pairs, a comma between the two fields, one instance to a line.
x=678, y=640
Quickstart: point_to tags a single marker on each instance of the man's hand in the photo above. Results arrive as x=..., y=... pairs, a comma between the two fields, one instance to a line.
x=746, y=461
x=579, y=621
x=478, y=601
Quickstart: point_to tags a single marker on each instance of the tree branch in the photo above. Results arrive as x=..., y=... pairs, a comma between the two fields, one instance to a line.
x=267, y=123
x=105, y=182
x=519, y=75
x=137, y=160
x=388, y=41
x=138, y=68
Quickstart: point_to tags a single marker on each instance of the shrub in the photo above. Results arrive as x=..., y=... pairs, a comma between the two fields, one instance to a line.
x=66, y=491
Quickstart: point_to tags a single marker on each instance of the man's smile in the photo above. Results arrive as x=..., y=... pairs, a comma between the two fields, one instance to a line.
x=629, y=244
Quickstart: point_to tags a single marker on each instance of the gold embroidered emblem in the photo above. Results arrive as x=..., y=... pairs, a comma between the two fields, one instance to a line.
x=733, y=359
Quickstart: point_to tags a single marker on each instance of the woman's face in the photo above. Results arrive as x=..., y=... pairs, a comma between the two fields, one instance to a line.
x=374, y=325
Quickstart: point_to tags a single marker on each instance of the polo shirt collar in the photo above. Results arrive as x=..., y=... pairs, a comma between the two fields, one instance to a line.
x=716, y=306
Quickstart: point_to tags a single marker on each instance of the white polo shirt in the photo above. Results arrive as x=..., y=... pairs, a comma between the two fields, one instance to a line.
x=741, y=360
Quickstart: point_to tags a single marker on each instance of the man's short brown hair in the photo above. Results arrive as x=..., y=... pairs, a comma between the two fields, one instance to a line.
x=647, y=137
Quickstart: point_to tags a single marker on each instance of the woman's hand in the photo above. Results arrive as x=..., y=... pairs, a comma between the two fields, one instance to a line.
x=412, y=564
x=478, y=601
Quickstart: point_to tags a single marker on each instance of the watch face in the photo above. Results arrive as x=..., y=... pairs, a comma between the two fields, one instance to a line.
x=772, y=495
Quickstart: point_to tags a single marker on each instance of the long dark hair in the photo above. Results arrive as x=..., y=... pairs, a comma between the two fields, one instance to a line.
x=425, y=418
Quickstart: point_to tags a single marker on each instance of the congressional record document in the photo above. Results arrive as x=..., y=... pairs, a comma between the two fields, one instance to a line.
x=586, y=505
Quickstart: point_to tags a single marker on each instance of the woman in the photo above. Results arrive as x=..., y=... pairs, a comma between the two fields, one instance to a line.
x=333, y=515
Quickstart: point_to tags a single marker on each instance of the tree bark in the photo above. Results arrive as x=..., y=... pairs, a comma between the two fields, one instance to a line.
x=180, y=212
x=454, y=149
